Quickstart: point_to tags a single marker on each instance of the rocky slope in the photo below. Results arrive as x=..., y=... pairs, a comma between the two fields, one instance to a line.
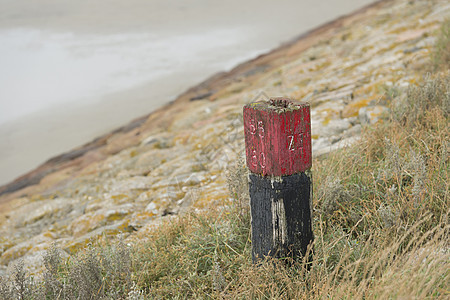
x=175, y=159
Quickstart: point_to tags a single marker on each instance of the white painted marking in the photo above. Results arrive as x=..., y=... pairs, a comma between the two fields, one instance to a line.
x=254, y=158
x=291, y=142
x=261, y=129
x=278, y=215
x=252, y=126
x=300, y=139
x=263, y=160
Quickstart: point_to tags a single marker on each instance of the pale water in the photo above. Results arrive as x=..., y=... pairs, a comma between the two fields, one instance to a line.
x=76, y=73
x=43, y=69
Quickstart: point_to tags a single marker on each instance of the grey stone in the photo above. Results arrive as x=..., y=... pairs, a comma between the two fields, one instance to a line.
x=372, y=114
x=352, y=131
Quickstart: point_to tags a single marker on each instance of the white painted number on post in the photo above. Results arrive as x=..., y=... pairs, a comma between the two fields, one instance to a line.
x=263, y=160
x=291, y=143
x=294, y=142
x=252, y=126
x=261, y=129
x=254, y=158
x=252, y=129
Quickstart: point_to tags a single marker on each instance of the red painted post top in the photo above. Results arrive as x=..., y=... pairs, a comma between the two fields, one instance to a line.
x=277, y=137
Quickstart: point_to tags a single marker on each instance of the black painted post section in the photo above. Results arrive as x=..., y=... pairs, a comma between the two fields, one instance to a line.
x=281, y=216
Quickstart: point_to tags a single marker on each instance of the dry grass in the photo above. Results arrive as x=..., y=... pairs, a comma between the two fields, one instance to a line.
x=381, y=224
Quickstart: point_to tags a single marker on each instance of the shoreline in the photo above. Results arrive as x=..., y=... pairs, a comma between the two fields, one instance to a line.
x=79, y=156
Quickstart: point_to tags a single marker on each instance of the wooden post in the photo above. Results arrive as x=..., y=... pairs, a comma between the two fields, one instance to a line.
x=278, y=150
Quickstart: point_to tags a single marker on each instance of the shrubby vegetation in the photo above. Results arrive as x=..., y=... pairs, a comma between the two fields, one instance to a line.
x=381, y=212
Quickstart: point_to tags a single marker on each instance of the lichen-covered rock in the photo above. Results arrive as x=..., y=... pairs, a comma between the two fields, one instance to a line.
x=72, y=245
x=101, y=217
x=372, y=114
x=40, y=242
x=45, y=210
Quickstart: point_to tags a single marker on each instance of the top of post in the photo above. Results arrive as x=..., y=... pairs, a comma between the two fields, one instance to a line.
x=277, y=105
